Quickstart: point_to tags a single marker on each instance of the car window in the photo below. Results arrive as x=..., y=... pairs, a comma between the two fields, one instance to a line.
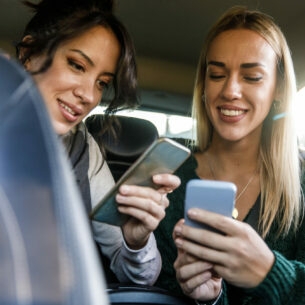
x=168, y=125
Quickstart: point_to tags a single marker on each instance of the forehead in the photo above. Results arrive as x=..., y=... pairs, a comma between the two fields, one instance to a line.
x=98, y=44
x=241, y=46
x=93, y=35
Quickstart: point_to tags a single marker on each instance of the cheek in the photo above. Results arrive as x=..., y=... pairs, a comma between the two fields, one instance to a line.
x=48, y=80
x=43, y=85
x=212, y=91
x=97, y=98
x=264, y=101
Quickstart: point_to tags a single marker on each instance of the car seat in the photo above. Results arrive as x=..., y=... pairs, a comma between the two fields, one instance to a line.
x=47, y=254
x=125, y=143
x=120, y=294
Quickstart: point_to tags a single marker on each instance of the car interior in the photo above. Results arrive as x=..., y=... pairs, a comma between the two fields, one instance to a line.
x=123, y=144
x=38, y=264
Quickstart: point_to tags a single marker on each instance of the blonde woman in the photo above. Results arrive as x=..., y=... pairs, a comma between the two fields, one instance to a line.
x=243, y=98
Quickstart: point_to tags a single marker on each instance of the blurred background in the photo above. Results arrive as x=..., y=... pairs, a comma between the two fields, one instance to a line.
x=168, y=35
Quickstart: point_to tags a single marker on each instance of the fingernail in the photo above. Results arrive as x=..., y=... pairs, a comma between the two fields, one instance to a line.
x=157, y=178
x=178, y=231
x=192, y=212
x=124, y=189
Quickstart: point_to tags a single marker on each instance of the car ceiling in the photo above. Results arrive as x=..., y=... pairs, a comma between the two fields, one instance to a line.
x=168, y=35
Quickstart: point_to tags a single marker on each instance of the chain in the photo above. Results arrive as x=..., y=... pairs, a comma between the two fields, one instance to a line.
x=245, y=187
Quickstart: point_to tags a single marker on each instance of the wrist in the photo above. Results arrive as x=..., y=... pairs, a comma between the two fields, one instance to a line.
x=136, y=244
x=198, y=302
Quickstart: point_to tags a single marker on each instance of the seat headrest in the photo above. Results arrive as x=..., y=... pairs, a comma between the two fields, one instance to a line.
x=133, y=136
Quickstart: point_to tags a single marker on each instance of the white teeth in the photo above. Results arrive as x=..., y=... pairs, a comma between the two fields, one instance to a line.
x=230, y=112
x=67, y=108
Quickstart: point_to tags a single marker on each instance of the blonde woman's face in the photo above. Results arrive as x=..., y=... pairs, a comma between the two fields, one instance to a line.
x=82, y=68
x=240, y=83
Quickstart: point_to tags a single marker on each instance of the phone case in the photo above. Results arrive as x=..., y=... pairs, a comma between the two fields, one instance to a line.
x=214, y=196
x=163, y=156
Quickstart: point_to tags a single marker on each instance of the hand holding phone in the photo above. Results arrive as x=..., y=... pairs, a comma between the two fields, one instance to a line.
x=163, y=156
x=211, y=195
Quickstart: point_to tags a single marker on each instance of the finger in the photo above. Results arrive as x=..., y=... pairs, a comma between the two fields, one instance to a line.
x=201, y=236
x=164, y=202
x=178, y=228
x=192, y=283
x=150, y=222
x=193, y=269
x=147, y=205
x=168, y=182
x=142, y=193
x=202, y=252
x=184, y=258
x=227, y=225
x=146, y=211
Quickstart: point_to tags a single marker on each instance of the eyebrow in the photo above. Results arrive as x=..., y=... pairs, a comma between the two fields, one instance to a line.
x=88, y=59
x=245, y=65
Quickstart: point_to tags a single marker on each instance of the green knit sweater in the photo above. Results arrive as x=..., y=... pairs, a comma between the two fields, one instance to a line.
x=284, y=284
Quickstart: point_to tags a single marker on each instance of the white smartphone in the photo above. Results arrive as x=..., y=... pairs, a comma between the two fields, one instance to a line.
x=163, y=156
x=210, y=195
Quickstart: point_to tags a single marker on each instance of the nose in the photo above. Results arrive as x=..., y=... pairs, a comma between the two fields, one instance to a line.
x=86, y=93
x=231, y=88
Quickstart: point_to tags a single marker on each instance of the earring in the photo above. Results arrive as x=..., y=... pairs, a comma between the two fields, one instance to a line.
x=276, y=105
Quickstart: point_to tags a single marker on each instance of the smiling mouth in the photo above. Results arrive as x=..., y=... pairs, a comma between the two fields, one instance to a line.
x=231, y=112
x=67, y=108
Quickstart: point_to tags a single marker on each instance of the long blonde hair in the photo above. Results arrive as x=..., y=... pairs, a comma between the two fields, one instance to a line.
x=279, y=172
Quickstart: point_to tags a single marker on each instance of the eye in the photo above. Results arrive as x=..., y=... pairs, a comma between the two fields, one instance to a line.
x=102, y=85
x=253, y=79
x=216, y=76
x=72, y=63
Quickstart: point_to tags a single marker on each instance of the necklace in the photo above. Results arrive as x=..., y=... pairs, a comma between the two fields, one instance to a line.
x=244, y=188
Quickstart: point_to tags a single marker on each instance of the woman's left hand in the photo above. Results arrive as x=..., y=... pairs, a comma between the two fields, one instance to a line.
x=240, y=256
x=146, y=206
x=196, y=277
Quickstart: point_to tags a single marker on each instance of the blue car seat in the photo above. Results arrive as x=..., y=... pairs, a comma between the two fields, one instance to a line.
x=47, y=254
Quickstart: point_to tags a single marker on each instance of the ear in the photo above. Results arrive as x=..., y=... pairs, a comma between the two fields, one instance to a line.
x=22, y=52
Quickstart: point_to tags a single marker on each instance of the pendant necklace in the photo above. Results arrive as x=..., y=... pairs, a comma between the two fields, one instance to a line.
x=245, y=187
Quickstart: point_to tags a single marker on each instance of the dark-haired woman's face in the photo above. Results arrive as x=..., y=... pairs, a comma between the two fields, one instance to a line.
x=82, y=68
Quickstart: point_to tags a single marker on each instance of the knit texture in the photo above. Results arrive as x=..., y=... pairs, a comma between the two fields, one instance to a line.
x=284, y=284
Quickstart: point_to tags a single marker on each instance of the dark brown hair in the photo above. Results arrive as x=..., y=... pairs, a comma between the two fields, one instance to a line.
x=57, y=21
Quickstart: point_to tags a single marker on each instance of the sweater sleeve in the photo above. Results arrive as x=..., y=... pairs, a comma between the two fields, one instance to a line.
x=285, y=283
x=141, y=266
x=136, y=266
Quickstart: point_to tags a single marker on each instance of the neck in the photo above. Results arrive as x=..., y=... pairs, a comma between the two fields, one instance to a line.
x=243, y=153
x=228, y=161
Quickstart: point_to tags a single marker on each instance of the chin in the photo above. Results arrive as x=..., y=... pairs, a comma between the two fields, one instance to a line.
x=61, y=129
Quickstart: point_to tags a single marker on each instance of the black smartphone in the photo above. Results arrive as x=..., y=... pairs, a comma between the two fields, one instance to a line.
x=162, y=156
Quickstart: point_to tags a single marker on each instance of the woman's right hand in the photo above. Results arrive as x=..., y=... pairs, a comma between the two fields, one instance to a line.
x=195, y=277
